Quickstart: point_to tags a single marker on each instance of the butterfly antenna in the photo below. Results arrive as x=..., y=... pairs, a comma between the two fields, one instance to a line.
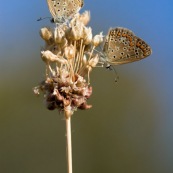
x=110, y=67
x=43, y=18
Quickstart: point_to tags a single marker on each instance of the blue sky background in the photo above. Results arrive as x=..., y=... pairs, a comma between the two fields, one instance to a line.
x=129, y=128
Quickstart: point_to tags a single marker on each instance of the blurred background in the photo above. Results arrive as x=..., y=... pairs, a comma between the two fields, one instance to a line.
x=128, y=130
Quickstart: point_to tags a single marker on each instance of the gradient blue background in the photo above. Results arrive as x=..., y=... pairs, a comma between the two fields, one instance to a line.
x=130, y=127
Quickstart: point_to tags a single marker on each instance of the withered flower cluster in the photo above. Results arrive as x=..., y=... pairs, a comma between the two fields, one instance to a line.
x=69, y=57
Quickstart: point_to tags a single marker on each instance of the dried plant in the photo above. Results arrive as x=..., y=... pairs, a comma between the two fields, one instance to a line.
x=70, y=55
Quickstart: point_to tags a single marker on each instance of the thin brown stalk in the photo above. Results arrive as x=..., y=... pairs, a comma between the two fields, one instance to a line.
x=69, y=145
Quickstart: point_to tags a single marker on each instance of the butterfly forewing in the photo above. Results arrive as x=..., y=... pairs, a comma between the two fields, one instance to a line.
x=63, y=10
x=122, y=46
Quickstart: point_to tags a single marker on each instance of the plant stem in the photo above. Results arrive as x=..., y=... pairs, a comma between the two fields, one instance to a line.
x=69, y=145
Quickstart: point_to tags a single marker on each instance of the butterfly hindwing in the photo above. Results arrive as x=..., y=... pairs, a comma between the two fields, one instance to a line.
x=122, y=46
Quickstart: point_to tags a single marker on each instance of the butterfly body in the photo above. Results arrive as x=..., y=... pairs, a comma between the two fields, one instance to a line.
x=63, y=10
x=122, y=46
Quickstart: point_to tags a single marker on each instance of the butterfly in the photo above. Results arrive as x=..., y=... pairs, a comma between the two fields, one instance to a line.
x=122, y=46
x=63, y=10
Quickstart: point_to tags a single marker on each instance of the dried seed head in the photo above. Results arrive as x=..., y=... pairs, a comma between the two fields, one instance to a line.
x=87, y=35
x=85, y=17
x=59, y=34
x=60, y=47
x=76, y=30
x=93, y=61
x=69, y=52
x=48, y=56
x=89, y=65
x=98, y=39
x=47, y=35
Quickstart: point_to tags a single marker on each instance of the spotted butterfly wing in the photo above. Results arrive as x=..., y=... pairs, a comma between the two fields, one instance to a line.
x=122, y=46
x=63, y=10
